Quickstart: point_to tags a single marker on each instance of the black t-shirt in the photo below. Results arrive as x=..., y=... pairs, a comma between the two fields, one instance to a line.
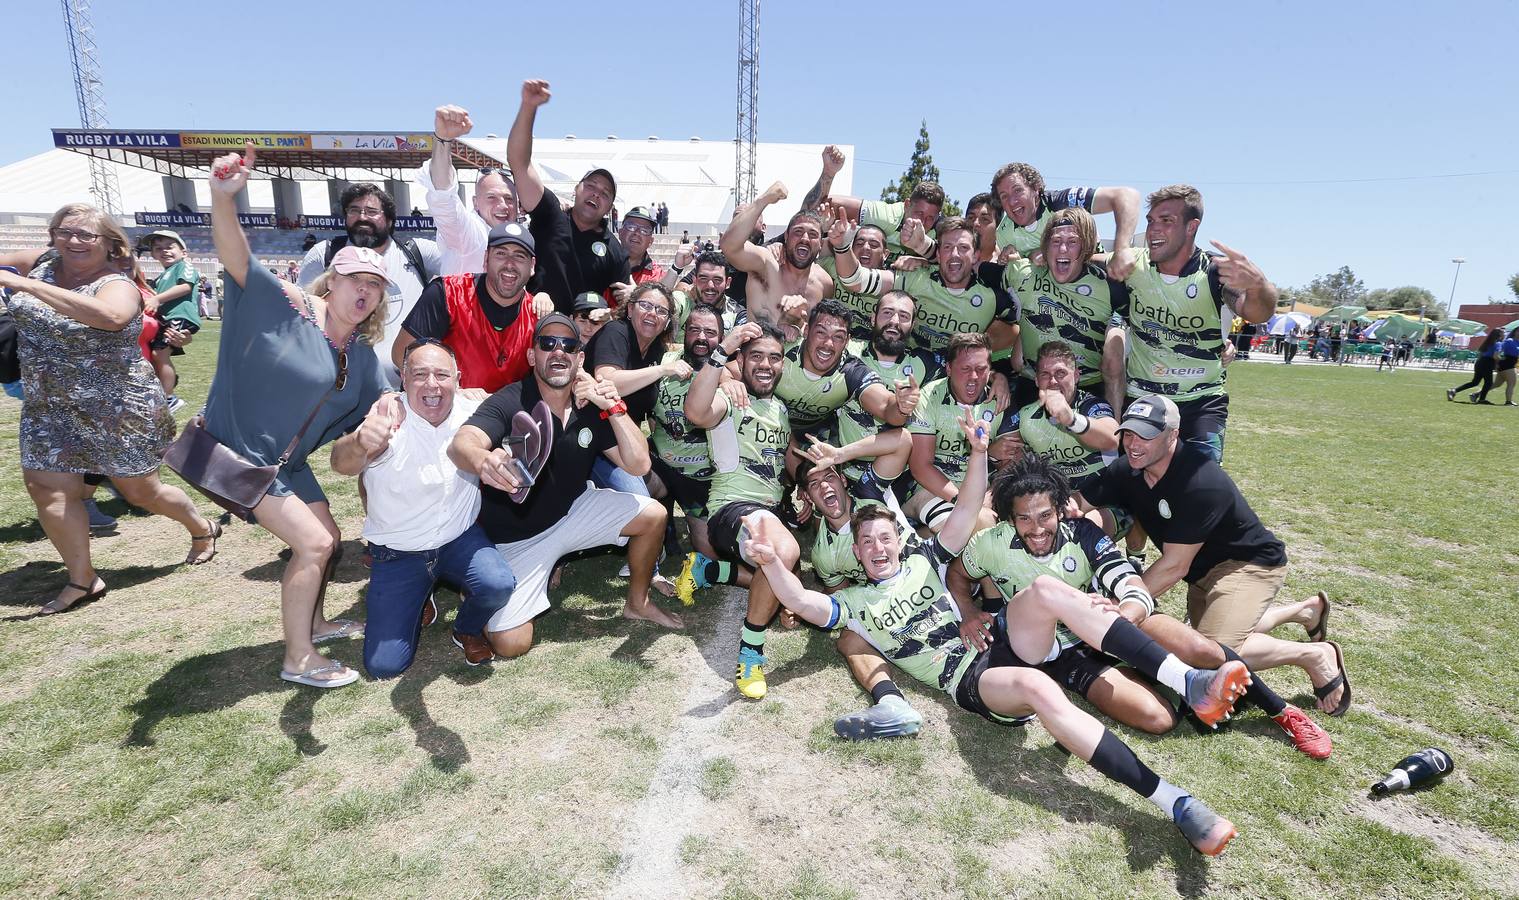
x=429, y=318
x=1195, y=502
x=571, y=261
x=616, y=345
x=577, y=444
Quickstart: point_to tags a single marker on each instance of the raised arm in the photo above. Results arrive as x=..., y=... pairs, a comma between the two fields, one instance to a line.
x=229, y=175
x=703, y=407
x=852, y=278
x=519, y=144
x=1246, y=287
x=1123, y=203
x=735, y=240
x=833, y=161
x=961, y=524
x=816, y=608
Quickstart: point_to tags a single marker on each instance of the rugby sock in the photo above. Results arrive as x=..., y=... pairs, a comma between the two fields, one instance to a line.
x=1136, y=648
x=1166, y=796
x=885, y=689
x=1268, y=700
x=753, y=637
x=720, y=571
x=1114, y=759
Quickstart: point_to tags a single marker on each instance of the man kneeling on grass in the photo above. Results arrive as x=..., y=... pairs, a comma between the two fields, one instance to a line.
x=420, y=523
x=906, y=612
x=560, y=513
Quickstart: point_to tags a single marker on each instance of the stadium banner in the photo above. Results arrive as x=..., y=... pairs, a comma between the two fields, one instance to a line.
x=415, y=223
x=121, y=139
x=338, y=223
x=375, y=141
x=183, y=219
x=234, y=140
x=335, y=223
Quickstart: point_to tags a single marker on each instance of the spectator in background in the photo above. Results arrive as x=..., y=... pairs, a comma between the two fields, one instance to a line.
x=462, y=232
x=637, y=235
x=309, y=242
x=369, y=215
x=1482, y=373
x=90, y=403
x=590, y=314
x=176, y=305
x=1503, y=370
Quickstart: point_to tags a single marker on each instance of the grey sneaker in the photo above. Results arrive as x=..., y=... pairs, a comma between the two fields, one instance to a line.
x=99, y=521
x=1203, y=828
x=175, y=404
x=892, y=717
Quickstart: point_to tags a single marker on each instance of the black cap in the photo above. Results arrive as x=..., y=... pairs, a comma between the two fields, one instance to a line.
x=512, y=233
x=641, y=212
x=555, y=318
x=605, y=174
x=589, y=301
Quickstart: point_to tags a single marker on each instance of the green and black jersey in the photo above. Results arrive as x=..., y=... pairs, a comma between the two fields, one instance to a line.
x=1177, y=327
x=943, y=311
x=911, y=619
x=1026, y=239
x=833, y=559
x=1078, y=313
x=812, y=399
x=889, y=218
x=938, y=414
x=862, y=307
x=681, y=445
x=731, y=311
x=1065, y=451
x=855, y=423
x=748, y=450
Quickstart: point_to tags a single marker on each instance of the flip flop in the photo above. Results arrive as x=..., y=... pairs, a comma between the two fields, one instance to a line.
x=1320, y=629
x=48, y=608
x=524, y=442
x=309, y=678
x=1336, y=681
x=545, y=419
x=347, y=628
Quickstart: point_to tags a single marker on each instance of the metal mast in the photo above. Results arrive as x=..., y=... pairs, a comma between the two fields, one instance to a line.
x=87, y=90
x=748, y=100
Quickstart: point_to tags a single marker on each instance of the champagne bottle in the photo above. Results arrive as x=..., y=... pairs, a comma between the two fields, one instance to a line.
x=1420, y=768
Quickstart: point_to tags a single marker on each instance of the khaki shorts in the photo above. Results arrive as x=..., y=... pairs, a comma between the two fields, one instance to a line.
x=1228, y=602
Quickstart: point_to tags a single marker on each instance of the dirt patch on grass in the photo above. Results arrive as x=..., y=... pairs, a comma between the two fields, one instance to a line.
x=1491, y=862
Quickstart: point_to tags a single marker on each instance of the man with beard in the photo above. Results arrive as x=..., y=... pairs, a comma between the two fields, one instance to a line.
x=561, y=513
x=869, y=246
x=1027, y=207
x=462, y=232
x=488, y=319
x=748, y=449
x=577, y=250
x=785, y=281
x=938, y=445
x=905, y=611
x=1071, y=299
x=369, y=215
x=955, y=295
x=709, y=287
x=1032, y=539
x=922, y=208
x=1179, y=310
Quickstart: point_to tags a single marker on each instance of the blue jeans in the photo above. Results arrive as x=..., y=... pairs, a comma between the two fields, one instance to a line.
x=400, y=581
x=605, y=474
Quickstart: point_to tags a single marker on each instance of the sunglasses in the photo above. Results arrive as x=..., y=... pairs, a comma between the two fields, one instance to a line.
x=342, y=371
x=419, y=343
x=548, y=343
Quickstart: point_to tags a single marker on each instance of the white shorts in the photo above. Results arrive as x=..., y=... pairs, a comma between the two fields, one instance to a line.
x=596, y=519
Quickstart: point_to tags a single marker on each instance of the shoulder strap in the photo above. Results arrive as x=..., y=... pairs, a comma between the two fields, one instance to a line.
x=333, y=246
x=413, y=255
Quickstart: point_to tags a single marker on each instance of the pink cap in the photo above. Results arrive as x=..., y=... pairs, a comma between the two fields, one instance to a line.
x=353, y=260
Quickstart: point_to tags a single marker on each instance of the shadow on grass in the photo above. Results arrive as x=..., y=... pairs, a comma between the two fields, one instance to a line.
x=996, y=756
x=40, y=580
x=348, y=567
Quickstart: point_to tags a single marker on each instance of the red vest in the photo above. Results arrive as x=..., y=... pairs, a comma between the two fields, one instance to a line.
x=488, y=358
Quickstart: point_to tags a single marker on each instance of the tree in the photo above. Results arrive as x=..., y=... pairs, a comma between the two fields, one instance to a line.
x=1340, y=288
x=1408, y=297
x=920, y=168
x=1513, y=284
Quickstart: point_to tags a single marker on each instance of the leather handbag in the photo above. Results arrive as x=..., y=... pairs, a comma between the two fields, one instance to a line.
x=221, y=473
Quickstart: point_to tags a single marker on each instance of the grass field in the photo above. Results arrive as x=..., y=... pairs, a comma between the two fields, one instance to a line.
x=147, y=747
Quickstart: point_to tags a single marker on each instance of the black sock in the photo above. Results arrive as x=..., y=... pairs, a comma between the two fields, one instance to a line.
x=1134, y=647
x=720, y=571
x=1258, y=693
x=884, y=689
x=1114, y=759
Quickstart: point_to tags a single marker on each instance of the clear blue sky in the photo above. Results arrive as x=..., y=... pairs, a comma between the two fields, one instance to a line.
x=1321, y=134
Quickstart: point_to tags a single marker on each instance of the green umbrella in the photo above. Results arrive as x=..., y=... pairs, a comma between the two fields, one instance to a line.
x=1460, y=326
x=1511, y=326
x=1341, y=314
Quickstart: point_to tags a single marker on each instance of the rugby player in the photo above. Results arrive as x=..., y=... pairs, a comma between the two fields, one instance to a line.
x=938, y=447
x=784, y=280
x=1027, y=207
x=922, y=208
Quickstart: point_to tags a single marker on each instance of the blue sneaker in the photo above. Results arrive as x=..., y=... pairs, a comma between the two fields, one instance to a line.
x=693, y=575
x=1212, y=692
x=750, y=677
x=1203, y=828
x=892, y=717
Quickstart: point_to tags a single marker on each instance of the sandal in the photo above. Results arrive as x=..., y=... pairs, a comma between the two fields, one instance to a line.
x=194, y=559
x=1340, y=680
x=1319, y=630
x=310, y=679
x=347, y=628
x=53, y=608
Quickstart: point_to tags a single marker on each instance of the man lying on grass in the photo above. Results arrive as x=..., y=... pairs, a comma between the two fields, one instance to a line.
x=905, y=612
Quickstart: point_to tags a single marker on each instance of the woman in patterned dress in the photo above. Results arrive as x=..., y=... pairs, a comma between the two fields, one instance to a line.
x=91, y=403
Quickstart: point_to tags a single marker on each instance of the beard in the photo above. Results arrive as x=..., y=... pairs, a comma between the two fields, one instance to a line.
x=889, y=346
x=698, y=350
x=796, y=263
x=366, y=235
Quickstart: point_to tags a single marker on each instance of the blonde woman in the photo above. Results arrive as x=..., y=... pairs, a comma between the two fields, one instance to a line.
x=284, y=353
x=91, y=403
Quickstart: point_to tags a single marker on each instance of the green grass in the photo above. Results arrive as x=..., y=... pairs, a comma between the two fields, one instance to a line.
x=147, y=747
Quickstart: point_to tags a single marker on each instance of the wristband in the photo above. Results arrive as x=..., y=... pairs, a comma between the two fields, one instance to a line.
x=1135, y=595
x=718, y=357
x=618, y=409
x=442, y=140
x=1079, y=424
x=839, y=251
x=678, y=270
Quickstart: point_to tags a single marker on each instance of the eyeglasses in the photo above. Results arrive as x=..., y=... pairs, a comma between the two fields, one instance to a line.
x=342, y=378
x=365, y=212
x=548, y=343
x=652, y=308
x=69, y=234
x=637, y=229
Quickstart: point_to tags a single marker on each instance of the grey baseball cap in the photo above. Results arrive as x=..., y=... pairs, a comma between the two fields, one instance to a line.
x=1151, y=415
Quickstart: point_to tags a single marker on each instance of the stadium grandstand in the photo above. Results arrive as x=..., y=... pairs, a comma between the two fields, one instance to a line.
x=162, y=177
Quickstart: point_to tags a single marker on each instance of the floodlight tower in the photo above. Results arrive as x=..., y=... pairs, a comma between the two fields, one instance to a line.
x=748, y=100
x=87, y=90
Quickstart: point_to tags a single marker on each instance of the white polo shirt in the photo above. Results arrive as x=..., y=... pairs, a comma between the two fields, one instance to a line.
x=418, y=499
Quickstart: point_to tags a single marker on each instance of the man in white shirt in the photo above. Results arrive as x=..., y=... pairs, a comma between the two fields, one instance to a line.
x=462, y=232
x=369, y=215
x=421, y=518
